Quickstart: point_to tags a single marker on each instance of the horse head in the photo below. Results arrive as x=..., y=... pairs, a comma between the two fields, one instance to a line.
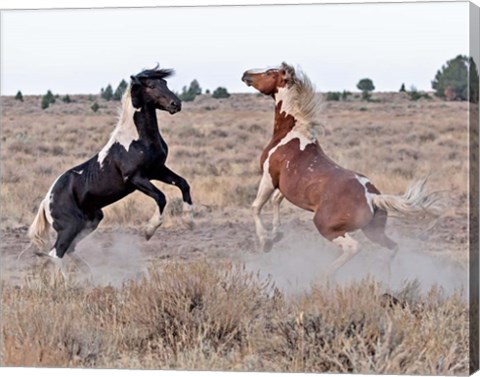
x=149, y=87
x=268, y=81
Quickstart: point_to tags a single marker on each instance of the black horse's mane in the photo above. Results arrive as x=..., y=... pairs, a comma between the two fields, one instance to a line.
x=155, y=73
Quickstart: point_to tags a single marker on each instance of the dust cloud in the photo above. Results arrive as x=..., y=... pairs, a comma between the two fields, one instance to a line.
x=302, y=259
x=113, y=258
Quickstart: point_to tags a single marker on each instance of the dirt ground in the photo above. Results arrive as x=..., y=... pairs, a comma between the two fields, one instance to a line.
x=300, y=259
x=216, y=144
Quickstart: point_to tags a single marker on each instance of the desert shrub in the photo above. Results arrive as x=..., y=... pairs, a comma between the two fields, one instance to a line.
x=337, y=96
x=220, y=92
x=107, y=93
x=67, y=99
x=451, y=81
x=366, y=86
x=19, y=96
x=333, y=96
x=415, y=95
x=204, y=315
x=117, y=95
x=47, y=100
x=95, y=107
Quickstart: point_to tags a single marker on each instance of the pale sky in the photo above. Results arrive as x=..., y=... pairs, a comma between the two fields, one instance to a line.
x=80, y=51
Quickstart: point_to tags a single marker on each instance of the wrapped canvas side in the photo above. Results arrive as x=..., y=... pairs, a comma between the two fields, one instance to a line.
x=474, y=185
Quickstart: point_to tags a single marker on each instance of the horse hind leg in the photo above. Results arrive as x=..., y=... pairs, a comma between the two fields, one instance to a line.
x=339, y=237
x=68, y=229
x=349, y=248
x=90, y=225
x=375, y=232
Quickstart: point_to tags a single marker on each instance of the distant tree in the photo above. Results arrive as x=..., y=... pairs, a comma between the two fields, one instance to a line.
x=186, y=95
x=189, y=94
x=45, y=103
x=19, y=96
x=195, y=88
x=451, y=81
x=402, y=89
x=107, y=93
x=220, y=92
x=95, y=107
x=47, y=100
x=345, y=95
x=117, y=95
x=67, y=99
x=366, y=86
x=207, y=91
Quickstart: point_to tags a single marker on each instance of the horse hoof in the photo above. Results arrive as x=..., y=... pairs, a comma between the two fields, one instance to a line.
x=277, y=237
x=267, y=246
x=148, y=235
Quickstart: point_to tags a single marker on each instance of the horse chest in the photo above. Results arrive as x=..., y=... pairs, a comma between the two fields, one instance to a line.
x=150, y=152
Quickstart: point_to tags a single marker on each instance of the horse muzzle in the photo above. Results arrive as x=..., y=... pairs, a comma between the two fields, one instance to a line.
x=174, y=107
x=247, y=79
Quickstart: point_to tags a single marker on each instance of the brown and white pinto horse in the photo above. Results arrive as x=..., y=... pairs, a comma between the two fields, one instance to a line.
x=294, y=166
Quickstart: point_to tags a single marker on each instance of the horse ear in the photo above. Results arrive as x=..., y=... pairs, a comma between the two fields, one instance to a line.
x=289, y=73
x=136, y=92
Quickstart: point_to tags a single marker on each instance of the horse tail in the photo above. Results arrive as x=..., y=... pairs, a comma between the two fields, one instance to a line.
x=38, y=231
x=417, y=202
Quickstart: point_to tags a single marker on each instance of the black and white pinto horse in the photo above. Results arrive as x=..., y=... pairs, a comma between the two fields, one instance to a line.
x=134, y=155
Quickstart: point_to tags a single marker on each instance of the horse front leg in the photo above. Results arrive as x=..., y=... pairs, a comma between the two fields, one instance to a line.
x=276, y=201
x=143, y=185
x=171, y=178
x=264, y=193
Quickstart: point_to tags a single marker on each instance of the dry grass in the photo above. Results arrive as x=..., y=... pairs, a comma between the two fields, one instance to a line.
x=220, y=317
x=198, y=315
x=215, y=144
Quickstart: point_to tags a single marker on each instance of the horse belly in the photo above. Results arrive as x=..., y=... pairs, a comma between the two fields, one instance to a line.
x=300, y=189
x=105, y=198
x=101, y=190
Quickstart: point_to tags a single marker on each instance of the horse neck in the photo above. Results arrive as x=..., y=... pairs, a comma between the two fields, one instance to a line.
x=283, y=123
x=135, y=125
x=289, y=116
x=146, y=122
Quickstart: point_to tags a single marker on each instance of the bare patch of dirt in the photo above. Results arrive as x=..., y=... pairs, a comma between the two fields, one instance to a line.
x=300, y=259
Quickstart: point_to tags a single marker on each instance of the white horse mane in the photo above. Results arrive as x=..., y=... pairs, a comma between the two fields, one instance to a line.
x=125, y=131
x=126, y=111
x=300, y=100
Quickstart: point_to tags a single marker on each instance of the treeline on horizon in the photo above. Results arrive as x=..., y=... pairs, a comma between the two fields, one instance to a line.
x=457, y=80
